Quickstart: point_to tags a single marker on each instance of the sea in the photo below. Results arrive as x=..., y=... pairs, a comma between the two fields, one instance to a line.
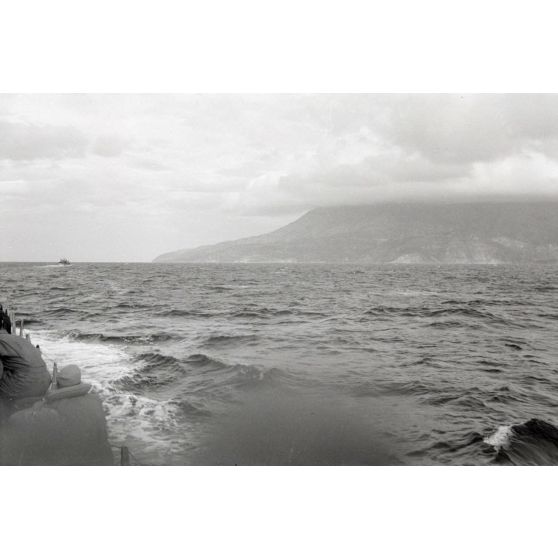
x=292, y=364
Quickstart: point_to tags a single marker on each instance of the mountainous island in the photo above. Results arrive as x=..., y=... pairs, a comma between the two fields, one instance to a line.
x=429, y=233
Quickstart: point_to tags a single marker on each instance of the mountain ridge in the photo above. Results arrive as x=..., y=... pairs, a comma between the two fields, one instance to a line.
x=412, y=232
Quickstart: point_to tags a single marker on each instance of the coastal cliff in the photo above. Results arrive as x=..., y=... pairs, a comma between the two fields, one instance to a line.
x=420, y=232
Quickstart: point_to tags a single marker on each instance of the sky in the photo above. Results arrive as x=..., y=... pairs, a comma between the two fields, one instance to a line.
x=128, y=177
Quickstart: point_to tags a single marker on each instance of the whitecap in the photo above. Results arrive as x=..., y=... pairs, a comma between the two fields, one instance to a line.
x=501, y=438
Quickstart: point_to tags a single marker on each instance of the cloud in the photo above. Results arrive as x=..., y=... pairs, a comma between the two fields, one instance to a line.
x=109, y=146
x=471, y=128
x=148, y=164
x=12, y=186
x=185, y=170
x=351, y=168
x=24, y=142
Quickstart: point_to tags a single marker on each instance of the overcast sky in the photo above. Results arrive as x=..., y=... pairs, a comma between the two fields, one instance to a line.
x=127, y=177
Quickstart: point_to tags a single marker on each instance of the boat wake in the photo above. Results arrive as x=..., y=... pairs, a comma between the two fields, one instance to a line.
x=134, y=420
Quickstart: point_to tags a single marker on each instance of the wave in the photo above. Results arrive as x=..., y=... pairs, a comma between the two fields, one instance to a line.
x=131, y=306
x=63, y=310
x=232, y=374
x=467, y=312
x=390, y=310
x=248, y=314
x=446, y=324
x=545, y=288
x=422, y=312
x=312, y=313
x=221, y=288
x=59, y=266
x=148, y=378
x=250, y=373
x=261, y=312
x=200, y=359
x=153, y=361
x=126, y=339
x=195, y=373
x=534, y=442
x=189, y=409
x=215, y=340
x=163, y=364
x=500, y=438
x=476, y=302
x=178, y=313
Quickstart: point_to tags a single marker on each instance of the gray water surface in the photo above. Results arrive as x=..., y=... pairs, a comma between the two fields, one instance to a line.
x=301, y=364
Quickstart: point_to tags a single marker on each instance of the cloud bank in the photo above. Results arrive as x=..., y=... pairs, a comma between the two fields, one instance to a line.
x=125, y=177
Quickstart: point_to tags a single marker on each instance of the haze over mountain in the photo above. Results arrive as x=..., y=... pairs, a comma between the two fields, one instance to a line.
x=127, y=177
x=420, y=232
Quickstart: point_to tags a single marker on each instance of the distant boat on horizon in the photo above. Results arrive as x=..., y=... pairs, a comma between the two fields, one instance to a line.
x=64, y=261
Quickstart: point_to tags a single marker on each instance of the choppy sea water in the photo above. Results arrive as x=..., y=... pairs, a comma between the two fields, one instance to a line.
x=307, y=364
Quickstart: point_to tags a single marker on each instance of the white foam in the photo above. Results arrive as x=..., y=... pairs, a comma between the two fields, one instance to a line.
x=53, y=265
x=133, y=420
x=501, y=438
x=100, y=363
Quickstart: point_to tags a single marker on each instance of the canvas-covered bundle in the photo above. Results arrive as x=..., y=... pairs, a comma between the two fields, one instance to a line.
x=67, y=427
x=23, y=372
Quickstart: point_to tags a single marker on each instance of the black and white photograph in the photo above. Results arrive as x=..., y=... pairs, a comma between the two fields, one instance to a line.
x=279, y=279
